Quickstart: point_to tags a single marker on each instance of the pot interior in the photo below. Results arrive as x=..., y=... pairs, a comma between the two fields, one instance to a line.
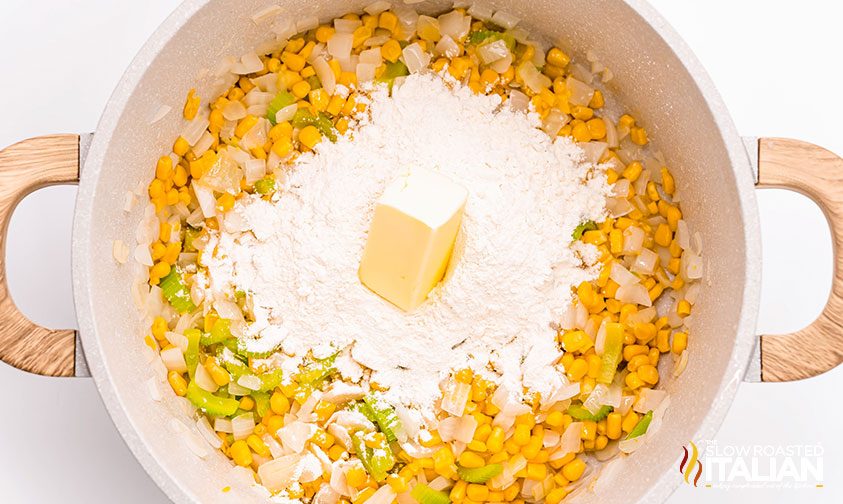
x=654, y=80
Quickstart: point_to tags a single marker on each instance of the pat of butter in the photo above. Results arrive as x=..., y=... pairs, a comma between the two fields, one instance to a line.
x=412, y=237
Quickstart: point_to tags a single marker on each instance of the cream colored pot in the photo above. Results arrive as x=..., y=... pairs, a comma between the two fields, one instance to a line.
x=716, y=169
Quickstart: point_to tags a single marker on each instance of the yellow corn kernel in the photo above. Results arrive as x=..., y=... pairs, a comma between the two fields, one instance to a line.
x=578, y=369
x=324, y=33
x=555, y=496
x=531, y=451
x=180, y=147
x=574, y=469
x=180, y=176
x=282, y=147
x=554, y=418
x=257, y=445
x=589, y=430
x=536, y=471
x=218, y=374
x=511, y=492
x=663, y=235
x=178, y=383
x=556, y=57
x=310, y=136
x=680, y=342
x=629, y=421
x=576, y=341
x=649, y=374
x=443, y=463
x=225, y=202
x=247, y=403
x=274, y=423
x=388, y=21
x=300, y=89
x=347, y=79
x=278, y=403
x=632, y=171
x=582, y=113
x=668, y=183
x=457, y=493
x=616, y=241
x=580, y=132
x=637, y=361
x=245, y=125
x=601, y=442
x=398, y=484
x=477, y=493
x=495, y=441
x=336, y=452
x=613, y=425
x=191, y=105
x=240, y=453
x=459, y=66
x=594, y=363
x=159, y=270
x=683, y=308
x=631, y=351
x=663, y=340
x=294, y=62
x=159, y=328
x=597, y=100
x=633, y=381
x=522, y=435
x=164, y=168
x=654, y=357
x=470, y=459
x=356, y=477
x=638, y=136
x=156, y=188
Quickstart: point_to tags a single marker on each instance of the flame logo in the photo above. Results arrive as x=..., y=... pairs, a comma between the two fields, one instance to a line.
x=690, y=461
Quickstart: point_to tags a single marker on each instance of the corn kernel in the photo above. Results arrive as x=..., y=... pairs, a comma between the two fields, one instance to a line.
x=680, y=342
x=240, y=453
x=574, y=469
x=177, y=382
x=310, y=136
x=278, y=403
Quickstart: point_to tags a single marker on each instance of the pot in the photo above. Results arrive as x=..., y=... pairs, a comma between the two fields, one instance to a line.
x=717, y=171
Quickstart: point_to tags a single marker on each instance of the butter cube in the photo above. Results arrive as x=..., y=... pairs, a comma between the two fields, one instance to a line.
x=412, y=237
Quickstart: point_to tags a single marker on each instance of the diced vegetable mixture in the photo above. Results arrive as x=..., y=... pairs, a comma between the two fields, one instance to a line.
x=310, y=435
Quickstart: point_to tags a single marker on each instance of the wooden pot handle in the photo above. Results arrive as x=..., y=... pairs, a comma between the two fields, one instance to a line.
x=25, y=167
x=818, y=174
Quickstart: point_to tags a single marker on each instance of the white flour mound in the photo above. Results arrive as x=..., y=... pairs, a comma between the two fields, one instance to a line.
x=298, y=255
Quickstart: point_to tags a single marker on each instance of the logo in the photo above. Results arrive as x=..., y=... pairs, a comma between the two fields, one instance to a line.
x=690, y=461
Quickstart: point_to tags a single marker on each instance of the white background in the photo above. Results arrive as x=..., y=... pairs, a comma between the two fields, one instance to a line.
x=776, y=63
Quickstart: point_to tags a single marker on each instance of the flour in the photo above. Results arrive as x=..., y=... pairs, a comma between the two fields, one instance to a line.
x=513, y=266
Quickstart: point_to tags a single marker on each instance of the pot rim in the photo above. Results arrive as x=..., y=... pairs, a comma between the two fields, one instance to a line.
x=745, y=338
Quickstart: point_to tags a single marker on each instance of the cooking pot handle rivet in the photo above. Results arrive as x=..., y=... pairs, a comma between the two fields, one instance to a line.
x=818, y=174
x=25, y=167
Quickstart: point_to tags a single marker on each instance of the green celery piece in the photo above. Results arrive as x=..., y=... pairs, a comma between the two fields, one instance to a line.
x=384, y=416
x=314, y=82
x=582, y=228
x=302, y=118
x=191, y=357
x=579, y=412
x=486, y=36
x=322, y=122
x=364, y=409
x=376, y=461
x=393, y=70
x=317, y=371
x=176, y=292
x=271, y=379
x=479, y=474
x=236, y=369
x=642, y=426
x=426, y=495
x=265, y=186
x=612, y=353
x=220, y=331
x=261, y=402
x=209, y=403
x=190, y=234
x=281, y=100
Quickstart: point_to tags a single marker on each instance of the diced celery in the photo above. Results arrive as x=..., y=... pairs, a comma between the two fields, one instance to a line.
x=322, y=122
x=175, y=291
x=426, y=495
x=486, y=36
x=261, y=402
x=384, y=415
x=281, y=100
x=190, y=234
x=314, y=82
x=479, y=474
x=642, y=426
x=209, y=403
x=316, y=372
x=271, y=379
x=582, y=228
x=579, y=412
x=376, y=461
x=191, y=356
x=265, y=185
x=220, y=331
x=612, y=352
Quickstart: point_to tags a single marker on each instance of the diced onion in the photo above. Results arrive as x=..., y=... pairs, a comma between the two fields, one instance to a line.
x=457, y=428
x=532, y=78
x=633, y=240
x=581, y=93
x=295, y=435
x=207, y=433
x=243, y=425
x=173, y=358
x=693, y=265
x=307, y=24
x=618, y=207
x=194, y=130
x=203, y=379
x=234, y=110
x=645, y=263
x=648, y=399
x=505, y=20
x=454, y=25
x=621, y=275
x=346, y=25
x=447, y=47
x=519, y=101
x=249, y=381
x=377, y=7
x=326, y=77
x=555, y=120
x=569, y=442
x=278, y=474
x=249, y=63
x=366, y=72
x=493, y=51
x=339, y=45
x=683, y=235
x=455, y=397
x=502, y=65
x=415, y=58
x=636, y=293
x=371, y=56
